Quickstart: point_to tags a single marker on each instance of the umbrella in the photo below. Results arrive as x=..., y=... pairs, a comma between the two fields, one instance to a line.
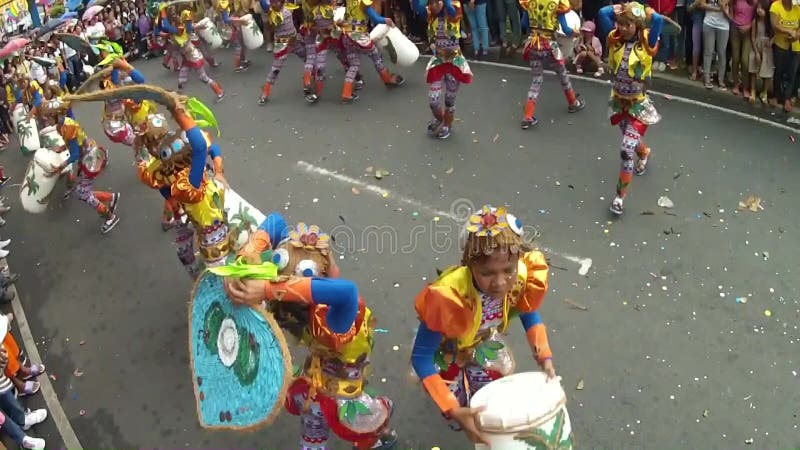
x=77, y=43
x=92, y=11
x=51, y=25
x=12, y=46
x=73, y=5
x=96, y=2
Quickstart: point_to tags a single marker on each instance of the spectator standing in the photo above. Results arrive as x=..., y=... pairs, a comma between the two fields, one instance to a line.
x=743, y=13
x=508, y=9
x=785, y=21
x=666, y=47
x=716, y=28
x=476, y=16
x=761, y=61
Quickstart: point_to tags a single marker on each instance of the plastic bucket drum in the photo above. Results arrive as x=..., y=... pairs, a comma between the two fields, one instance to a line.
x=209, y=33
x=523, y=412
x=251, y=34
x=27, y=130
x=243, y=219
x=401, y=50
x=34, y=194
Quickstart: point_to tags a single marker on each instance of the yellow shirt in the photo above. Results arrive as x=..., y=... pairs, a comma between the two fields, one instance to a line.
x=788, y=19
x=543, y=14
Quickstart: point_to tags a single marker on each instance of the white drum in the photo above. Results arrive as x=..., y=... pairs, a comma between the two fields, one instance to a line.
x=27, y=130
x=523, y=412
x=566, y=43
x=37, y=185
x=401, y=50
x=209, y=33
x=251, y=34
x=119, y=131
x=50, y=139
x=243, y=219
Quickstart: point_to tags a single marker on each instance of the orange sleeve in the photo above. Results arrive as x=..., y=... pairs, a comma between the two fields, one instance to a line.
x=296, y=290
x=537, y=338
x=69, y=131
x=444, y=311
x=440, y=393
x=147, y=176
x=536, y=283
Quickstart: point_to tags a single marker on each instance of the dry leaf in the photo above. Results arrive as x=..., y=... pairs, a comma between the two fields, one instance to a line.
x=355, y=191
x=449, y=171
x=579, y=387
x=752, y=203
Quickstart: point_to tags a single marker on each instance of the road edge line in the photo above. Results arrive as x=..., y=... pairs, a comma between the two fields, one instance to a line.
x=54, y=408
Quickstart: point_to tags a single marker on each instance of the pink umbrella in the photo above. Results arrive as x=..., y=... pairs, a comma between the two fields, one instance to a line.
x=92, y=11
x=12, y=46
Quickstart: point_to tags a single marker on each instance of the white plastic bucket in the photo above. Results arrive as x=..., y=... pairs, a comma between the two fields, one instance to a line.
x=406, y=52
x=27, y=130
x=523, y=412
x=251, y=34
x=209, y=33
x=243, y=219
x=34, y=194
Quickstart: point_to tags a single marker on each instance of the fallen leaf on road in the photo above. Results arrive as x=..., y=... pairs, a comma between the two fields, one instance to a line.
x=78, y=373
x=705, y=413
x=579, y=387
x=53, y=377
x=575, y=305
x=496, y=137
x=368, y=169
x=381, y=173
x=82, y=342
x=752, y=203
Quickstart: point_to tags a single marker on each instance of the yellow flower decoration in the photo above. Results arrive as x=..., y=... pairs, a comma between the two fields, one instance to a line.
x=488, y=221
x=309, y=237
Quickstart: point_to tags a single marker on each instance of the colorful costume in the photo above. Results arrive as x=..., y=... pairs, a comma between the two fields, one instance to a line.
x=201, y=45
x=286, y=41
x=356, y=41
x=459, y=346
x=448, y=68
x=162, y=41
x=179, y=173
x=237, y=40
x=541, y=47
x=115, y=126
x=92, y=159
x=192, y=58
x=330, y=394
x=630, y=108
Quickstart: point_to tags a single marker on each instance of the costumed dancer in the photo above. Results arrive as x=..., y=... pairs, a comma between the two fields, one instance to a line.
x=448, y=68
x=162, y=41
x=631, y=48
x=240, y=61
x=91, y=157
x=192, y=58
x=286, y=41
x=194, y=38
x=114, y=114
x=356, y=41
x=28, y=93
x=334, y=375
x=459, y=347
x=541, y=47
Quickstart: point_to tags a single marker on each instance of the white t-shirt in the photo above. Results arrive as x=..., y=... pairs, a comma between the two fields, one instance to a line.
x=96, y=31
x=38, y=73
x=69, y=52
x=716, y=19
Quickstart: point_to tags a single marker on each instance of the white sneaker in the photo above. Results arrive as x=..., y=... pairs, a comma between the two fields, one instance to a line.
x=2, y=221
x=3, y=253
x=3, y=244
x=33, y=443
x=270, y=47
x=34, y=417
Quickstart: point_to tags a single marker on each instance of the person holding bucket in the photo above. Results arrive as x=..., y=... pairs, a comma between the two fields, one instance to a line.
x=459, y=347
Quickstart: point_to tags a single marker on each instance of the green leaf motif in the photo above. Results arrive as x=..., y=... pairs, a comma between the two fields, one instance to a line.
x=538, y=439
x=342, y=413
x=350, y=415
x=372, y=392
x=362, y=409
x=494, y=345
x=31, y=184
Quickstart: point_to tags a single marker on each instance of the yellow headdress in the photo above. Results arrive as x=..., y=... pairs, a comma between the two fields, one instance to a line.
x=490, y=229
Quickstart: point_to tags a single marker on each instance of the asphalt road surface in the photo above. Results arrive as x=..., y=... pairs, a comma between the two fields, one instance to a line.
x=685, y=333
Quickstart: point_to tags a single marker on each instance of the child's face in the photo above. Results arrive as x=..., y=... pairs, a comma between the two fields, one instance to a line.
x=495, y=273
x=276, y=6
x=587, y=36
x=626, y=29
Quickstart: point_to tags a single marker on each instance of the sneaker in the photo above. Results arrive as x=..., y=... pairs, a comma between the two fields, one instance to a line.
x=616, y=206
x=68, y=194
x=433, y=126
x=527, y=123
x=4, y=180
x=397, y=82
x=241, y=68
x=112, y=206
x=444, y=133
x=109, y=224
x=358, y=85
x=33, y=443
x=216, y=64
x=34, y=417
x=577, y=106
x=351, y=99
x=167, y=225
x=263, y=100
x=312, y=97
x=220, y=97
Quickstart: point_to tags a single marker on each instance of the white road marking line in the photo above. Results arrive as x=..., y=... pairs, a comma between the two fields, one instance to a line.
x=54, y=409
x=584, y=263
x=666, y=96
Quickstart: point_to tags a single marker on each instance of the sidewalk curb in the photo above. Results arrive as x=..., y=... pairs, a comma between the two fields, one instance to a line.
x=54, y=409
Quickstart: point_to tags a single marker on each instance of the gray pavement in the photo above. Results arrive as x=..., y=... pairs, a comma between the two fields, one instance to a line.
x=668, y=357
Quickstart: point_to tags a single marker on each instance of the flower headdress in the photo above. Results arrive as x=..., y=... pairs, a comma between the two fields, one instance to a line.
x=490, y=229
x=309, y=238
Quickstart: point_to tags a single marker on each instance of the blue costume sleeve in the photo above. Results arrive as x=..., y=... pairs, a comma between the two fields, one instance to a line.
x=342, y=298
x=74, y=151
x=449, y=9
x=425, y=346
x=199, y=152
x=37, y=98
x=656, y=24
x=189, y=26
x=137, y=76
x=18, y=95
x=226, y=18
x=275, y=226
x=530, y=319
x=264, y=5
x=62, y=80
x=214, y=151
x=376, y=18
x=166, y=26
x=606, y=19
x=562, y=20
x=70, y=114
x=166, y=192
x=115, y=77
x=420, y=9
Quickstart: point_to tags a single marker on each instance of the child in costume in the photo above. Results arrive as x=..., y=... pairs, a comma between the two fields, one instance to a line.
x=201, y=45
x=91, y=158
x=448, y=68
x=356, y=41
x=541, y=47
x=631, y=47
x=286, y=41
x=192, y=58
x=464, y=314
x=334, y=375
x=114, y=124
x=237, y=40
